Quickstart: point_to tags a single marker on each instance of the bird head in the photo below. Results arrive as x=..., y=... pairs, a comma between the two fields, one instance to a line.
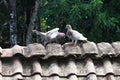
x=68, y=26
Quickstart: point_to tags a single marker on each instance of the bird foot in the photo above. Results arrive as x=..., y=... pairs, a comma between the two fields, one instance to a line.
x=72, y=44
x=69, y=44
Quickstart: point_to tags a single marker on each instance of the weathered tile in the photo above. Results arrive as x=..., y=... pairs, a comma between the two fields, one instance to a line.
x=17, y=49
x=7, y=53
x=89, y=66
x=1, y=78
x=7, y=66
x=27, y=66
x=51, y=68
x=33, y=77
x=0, y=66
x=105, y=49
x=110, y=77
x=116, y=46
x=36, y=67
x=36, y=49
x=54, y=77
x=8, y=78
x=71, y=67
x=73, y=77
x=81, y=70
x=116, y=66
x=17, y=66
x=92, y=77
x=101, y=78
x=90, y=48
x=12, y=51
x=54, y=50
x=11, y=66
x=18, y=77
x=36, y=77
x=72, y=50
x=117, y=77
x=99, y=68
x=82, y=78
x=107, y=66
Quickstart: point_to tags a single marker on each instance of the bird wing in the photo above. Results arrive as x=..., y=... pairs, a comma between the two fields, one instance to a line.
x=78, y=36
x=53, y=30
x=42, y=34
x=39, y=33
x=53, y=33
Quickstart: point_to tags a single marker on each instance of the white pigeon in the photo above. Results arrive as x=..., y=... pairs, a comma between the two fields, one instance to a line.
x=74, y=35
x=50, y=36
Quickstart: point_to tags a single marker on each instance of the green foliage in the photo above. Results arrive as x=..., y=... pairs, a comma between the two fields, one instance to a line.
x=4, y=30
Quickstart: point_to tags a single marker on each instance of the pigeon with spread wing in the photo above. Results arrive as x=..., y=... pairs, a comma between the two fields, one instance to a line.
x=50, y=36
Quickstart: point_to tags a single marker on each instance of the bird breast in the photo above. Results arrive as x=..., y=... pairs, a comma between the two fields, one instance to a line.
x=69, y=34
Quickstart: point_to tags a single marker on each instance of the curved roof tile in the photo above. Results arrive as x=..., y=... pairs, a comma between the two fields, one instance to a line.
x=105, y=49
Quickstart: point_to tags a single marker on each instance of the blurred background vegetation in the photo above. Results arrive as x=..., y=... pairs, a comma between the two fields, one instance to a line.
x=98, y=20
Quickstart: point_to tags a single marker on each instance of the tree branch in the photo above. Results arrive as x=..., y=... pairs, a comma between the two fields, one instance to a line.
x=5, y=2
x=32, y=23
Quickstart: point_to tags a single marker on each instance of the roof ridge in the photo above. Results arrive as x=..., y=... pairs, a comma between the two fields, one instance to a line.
x=86, y=49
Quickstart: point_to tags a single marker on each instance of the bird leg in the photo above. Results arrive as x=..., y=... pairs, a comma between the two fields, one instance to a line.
x=71, y=44
x=75, y=43
x=72, y=41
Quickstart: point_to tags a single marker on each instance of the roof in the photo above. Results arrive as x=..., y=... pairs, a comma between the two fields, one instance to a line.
x=89, y=61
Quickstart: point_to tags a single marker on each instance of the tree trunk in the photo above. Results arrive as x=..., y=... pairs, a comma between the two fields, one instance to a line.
x=38, y=28
x=5, y=2
x=32, y=23
x=12, y=22
x=24, y=28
